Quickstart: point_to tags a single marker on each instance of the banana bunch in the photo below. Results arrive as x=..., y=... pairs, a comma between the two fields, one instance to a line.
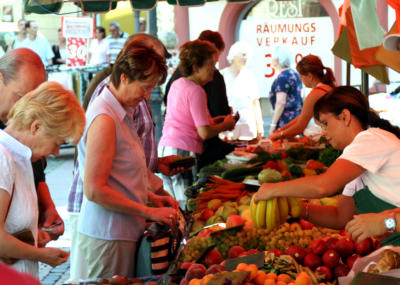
x=272, y=213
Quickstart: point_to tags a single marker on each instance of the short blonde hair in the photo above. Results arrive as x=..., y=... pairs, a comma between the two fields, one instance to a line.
x=55, y=107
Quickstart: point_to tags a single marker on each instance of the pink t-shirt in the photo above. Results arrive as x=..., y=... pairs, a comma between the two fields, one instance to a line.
x=186, y=110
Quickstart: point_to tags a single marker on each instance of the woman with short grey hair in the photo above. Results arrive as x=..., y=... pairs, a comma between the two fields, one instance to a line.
x=285, y=95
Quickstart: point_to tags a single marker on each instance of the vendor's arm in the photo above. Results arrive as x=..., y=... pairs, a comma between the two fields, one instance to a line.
x=13, y=247
x=335, y=217
x=258, y=117
x=325, y=184
x=299, y=124
x=100, y=149
x=279, y=107
x=372, y=224
x=210, y=131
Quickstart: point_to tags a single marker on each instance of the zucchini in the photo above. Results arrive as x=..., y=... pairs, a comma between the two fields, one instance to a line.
x=236, y=173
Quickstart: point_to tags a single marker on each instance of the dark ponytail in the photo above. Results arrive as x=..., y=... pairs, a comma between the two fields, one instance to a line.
x=375, y=121
x=350, y=98
x=328, y=77
x=313, y=64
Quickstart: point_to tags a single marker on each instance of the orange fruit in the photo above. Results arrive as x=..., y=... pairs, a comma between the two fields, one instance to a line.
x=241, y=267
x=253, y=271
x=281, y=283
x=260, y=277
x=285, y=278
x=195, y=281
x=269, y=282
x=301, y=280
x=206, y=278
x=272, y=276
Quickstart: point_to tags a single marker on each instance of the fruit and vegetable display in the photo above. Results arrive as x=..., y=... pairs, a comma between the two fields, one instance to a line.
x=226, y=225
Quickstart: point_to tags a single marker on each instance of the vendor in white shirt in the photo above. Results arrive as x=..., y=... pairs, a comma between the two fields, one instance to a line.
x=371, y=151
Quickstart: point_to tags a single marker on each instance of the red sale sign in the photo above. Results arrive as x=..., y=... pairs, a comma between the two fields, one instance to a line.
x=77, y=51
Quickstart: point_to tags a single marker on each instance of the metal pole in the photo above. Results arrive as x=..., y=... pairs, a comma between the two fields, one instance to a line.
x=348, y=73
x=136, y=21
x=364, y=83
x=152, y=15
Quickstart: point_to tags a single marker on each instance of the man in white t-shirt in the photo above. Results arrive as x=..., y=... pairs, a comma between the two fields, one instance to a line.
x=116, y=40
x=38, y=44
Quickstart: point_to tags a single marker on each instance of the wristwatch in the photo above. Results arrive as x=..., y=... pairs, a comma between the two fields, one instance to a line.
x=390, y=223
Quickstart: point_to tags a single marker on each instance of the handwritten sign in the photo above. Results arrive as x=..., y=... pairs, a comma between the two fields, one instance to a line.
x=78, y=27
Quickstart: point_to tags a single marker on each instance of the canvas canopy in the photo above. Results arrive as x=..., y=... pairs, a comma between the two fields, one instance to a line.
x=93, y=6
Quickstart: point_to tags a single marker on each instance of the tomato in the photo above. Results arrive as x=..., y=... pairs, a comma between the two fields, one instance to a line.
x=313, y=164
x=309, y=172
x=286, y=175
x=271, y=164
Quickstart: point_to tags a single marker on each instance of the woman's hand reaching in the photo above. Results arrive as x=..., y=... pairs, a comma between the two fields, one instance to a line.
x=265, y=192
x=168, y=216
x=53, y=256
x=229, y=122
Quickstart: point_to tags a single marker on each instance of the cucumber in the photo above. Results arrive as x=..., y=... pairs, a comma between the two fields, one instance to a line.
x=237, y=173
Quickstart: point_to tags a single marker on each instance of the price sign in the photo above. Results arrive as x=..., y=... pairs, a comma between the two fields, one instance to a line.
x=77, y=51
x=77, y=30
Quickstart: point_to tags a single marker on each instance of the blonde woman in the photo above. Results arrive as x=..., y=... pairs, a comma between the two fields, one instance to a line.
x=37, y=125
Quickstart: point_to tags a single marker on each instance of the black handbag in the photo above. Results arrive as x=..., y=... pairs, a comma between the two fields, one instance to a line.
x=165, y=242
x=24, y=235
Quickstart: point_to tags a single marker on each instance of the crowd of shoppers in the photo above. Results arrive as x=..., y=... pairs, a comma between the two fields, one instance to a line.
x=117, y=154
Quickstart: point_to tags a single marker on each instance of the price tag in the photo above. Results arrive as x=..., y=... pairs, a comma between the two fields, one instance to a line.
x=77, y=51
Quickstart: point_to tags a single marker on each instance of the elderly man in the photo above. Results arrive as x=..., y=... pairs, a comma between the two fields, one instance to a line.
x=21, y=70
x=116, y=39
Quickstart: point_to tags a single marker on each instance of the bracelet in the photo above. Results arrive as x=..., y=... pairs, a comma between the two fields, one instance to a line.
x=307, y=211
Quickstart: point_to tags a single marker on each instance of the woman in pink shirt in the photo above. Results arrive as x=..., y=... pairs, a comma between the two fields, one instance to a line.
x=187, y=121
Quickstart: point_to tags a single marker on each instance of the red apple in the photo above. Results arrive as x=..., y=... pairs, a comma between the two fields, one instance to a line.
x=206, y=214
x=312, y=261
x=252, y=251
x=297, y=252
x=212, y=257
x=276, y=252
x=341, y=270
x=186, y=265
x=318, y=246
x=331, y=258
x=331, y=242
x=351, y=259
x=235, y=251
x=345, y=247
x=234, y=220
x=306, y=225
x=364, y=247
x=323, y=273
